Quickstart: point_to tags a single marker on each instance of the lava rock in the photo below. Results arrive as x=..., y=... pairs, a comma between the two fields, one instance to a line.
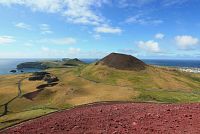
x=13, y=71
x=35, y=78
x=38, y=76
x=122, y=62
x=50, y=78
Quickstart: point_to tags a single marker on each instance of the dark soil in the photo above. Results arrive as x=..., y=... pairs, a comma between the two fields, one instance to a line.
x=40, y=88
x=40, y=73
x=123, y=62
x=117, y=118
x=37, y=76
x=46, y=85
x=68, y=64
x=50, y=78
x=32, y=95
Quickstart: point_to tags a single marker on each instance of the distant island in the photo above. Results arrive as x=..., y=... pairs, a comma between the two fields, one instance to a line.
x=65, y=62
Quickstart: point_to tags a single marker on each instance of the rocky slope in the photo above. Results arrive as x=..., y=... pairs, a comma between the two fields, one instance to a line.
x=122, y=61
x=117, y=118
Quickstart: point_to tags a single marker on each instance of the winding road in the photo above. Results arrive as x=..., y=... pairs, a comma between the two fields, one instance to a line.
x=18, y=96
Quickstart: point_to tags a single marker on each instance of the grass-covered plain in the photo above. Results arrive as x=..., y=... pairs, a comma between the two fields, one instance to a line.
x=157, y=84
x=94, y=83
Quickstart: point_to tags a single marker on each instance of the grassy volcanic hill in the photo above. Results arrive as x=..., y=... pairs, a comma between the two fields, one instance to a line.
x=157, y=84
x=96, y=82
x=122, y=61
x=138, y=75
x=72, y=62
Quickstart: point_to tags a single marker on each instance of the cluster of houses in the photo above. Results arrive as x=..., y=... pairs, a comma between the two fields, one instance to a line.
x=191, y=70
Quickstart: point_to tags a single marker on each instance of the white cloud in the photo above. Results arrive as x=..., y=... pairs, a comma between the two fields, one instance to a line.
x=45, y=29
x=173, y=2
x=6, y=40
x=45, y=49
x=65, y=41
x=83, y=12
x=97, y=36
x=48, y=52
x=143, y=20
x=73, y=51
x=47, y=32
x=108, y=29
x=28, y=44
x=51, y=53
x=80, y=11
x=23, y=26
x=141, y=3
x=75, y=11
x=186, y=41
x=59, y=41
x=159, y=36
x=93, y=54
x=77, y=52
x=37, y=5
x=60, y=5
x=12, y=54
x=128, y=51
x=149, y=46
x=134, y=3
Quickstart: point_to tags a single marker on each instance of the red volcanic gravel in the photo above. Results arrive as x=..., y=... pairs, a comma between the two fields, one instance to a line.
x=120, y=118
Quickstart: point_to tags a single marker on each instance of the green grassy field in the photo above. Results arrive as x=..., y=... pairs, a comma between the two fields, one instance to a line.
x=90, y=83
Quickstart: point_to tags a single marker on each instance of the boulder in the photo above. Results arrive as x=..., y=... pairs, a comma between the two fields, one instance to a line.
x=13, y=71
x=38, y=76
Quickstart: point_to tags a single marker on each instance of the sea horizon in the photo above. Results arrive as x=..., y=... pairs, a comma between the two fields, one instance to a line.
x=8, y=64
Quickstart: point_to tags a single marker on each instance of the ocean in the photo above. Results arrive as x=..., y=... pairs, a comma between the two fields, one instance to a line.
x=6, y=65
x=174, y=63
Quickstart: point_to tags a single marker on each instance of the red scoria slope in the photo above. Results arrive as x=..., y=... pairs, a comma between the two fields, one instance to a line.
x=122, y=62
x=117, y=118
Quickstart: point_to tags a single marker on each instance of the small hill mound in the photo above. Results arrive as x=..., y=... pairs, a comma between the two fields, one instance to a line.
x=72, y=62
x=122, y=62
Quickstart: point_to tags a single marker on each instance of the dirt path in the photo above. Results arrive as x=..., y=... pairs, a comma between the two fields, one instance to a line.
x=117, y=118
x=18, y=95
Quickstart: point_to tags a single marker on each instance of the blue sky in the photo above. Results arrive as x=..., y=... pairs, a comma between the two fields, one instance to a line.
x=168, y=29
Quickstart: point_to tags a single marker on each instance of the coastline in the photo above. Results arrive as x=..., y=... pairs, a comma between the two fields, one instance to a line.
x=6, y=65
